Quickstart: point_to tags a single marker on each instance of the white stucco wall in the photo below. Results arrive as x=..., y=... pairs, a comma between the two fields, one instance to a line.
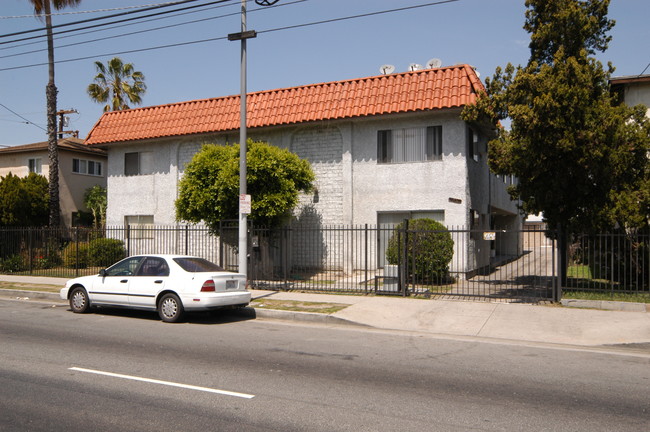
x=352, y=188
x=412, y=186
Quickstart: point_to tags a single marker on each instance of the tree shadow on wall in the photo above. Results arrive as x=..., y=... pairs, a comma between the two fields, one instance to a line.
x=308, y=250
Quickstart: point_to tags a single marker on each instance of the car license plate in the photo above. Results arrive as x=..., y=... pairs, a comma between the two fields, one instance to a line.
x=232, y=284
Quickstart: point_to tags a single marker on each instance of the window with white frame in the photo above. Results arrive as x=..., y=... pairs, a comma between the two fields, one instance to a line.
x=139, y=226
x=83, y=166
x=35, y=165
x=409, y=145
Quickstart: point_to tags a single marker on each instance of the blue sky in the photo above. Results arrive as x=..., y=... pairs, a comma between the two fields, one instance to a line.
x=483, y=33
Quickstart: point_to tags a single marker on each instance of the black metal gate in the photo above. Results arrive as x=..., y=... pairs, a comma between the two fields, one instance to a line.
x=516, y=265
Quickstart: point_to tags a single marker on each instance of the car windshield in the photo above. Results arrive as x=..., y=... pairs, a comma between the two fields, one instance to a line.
x=195, y=265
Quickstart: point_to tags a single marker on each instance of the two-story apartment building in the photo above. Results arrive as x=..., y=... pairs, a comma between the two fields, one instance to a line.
x=383, y=148
x=80, y=168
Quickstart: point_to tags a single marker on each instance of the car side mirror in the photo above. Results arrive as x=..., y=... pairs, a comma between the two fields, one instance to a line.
x=103, y=273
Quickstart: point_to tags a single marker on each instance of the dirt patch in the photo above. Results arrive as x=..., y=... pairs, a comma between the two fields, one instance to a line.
x=30, y=287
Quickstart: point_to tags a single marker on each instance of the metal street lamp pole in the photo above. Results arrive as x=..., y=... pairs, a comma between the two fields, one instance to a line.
x=243, y=216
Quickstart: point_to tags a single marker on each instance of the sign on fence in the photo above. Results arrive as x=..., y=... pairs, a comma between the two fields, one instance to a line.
x=489, y=235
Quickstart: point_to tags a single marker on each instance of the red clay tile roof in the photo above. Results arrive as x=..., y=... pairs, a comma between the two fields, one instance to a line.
x=429, y=89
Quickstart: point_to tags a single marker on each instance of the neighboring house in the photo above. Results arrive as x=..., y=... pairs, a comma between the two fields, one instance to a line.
x=80, y=167
x=632, y=90
x=384, y=148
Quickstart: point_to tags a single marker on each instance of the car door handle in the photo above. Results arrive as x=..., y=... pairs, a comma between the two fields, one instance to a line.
x=124, y=281
x=158, y=281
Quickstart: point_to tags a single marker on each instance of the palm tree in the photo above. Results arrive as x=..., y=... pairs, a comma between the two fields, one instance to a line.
x=119, y=82
x=43, y=8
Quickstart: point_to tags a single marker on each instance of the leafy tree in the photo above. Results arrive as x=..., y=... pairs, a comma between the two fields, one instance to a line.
x=24, y=201
x=116, y=82
x=580, y=158
x=209, y=189
x=43, y=8
x=95, y=200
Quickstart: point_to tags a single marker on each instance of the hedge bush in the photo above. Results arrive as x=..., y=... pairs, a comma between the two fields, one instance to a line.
x=12, y=264
x=103, y=252
x=73, y=258
x=429, y=250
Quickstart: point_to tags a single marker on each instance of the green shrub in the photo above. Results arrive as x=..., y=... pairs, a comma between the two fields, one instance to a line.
x=73, y=258
x=103, y=252
x=429, y=250
x=12, y=264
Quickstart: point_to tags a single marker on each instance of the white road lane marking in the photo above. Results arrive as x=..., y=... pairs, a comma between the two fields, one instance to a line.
x=167, y=383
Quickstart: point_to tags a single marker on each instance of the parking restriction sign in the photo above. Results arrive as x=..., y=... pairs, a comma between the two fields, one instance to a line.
x=245, y=204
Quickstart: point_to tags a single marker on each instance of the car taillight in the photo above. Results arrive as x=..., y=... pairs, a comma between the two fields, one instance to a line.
x=208, y=286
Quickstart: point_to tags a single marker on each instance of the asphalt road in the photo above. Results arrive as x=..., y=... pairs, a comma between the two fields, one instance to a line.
x=127, y=371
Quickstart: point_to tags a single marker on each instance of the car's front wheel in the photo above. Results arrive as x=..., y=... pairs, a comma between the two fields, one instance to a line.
x=170, y=308
x=79, y=302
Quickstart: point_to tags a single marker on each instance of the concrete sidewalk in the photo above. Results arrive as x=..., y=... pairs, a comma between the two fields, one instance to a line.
x=504, y=321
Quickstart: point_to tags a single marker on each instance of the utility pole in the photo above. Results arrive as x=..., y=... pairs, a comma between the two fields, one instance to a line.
x=62, y=122
x=243, y=196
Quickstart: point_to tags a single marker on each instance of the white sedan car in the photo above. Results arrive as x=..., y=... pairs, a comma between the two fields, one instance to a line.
x=169, y=284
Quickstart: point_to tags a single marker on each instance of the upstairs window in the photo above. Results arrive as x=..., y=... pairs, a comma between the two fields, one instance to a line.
x=472, y=144
x=138, y=163
x=82, y=166
x=131, y=164
x=409, y=145
x=35, y=165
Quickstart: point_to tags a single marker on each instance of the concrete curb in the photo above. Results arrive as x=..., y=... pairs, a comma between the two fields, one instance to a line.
x=311, y=317
x=606, y=305
x=249, y=312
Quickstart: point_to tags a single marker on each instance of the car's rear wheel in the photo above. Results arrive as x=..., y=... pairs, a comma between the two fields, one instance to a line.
x=170, y=308
x=79, y=302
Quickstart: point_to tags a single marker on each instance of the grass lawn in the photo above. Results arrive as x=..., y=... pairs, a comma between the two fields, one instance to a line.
x=583, y=286
x=298, y=306
x=30, y=287
x=625, y=297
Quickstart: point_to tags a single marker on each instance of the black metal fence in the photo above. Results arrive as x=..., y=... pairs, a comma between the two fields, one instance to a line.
x=614, y=263
x=517, y=265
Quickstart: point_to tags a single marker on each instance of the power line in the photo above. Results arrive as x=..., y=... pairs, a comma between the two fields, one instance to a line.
x=91, y=11
x=105, y=24
x=357, y=16
x=225, y=37
x=646, y=68
x=114, y=27
x=143, y=31
x=40, y=29
x=20, y=116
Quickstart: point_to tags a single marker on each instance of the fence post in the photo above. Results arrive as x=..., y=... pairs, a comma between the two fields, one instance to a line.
x=378, y=232
x=29, y=249
x=562, y=263
x=365, y=242
x=76, y=261
x=285, y=254
x=221, y=244
x=128, y=240
x=187, y=242
x=403, y=267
